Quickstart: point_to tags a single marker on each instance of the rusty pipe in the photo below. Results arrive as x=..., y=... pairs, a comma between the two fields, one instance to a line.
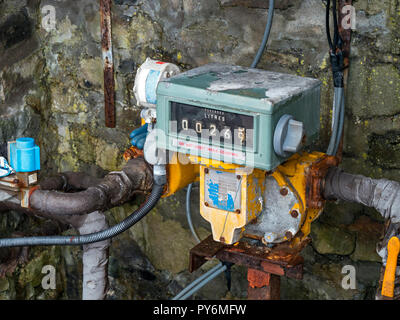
x=95, y=258
x=115, y=189
x=69, y=181
x=59, y=203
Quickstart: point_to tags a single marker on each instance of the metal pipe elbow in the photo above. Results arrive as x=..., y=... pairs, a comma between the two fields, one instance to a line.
x=115, y=189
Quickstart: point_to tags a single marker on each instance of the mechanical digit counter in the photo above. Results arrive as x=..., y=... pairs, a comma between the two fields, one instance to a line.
x=224, y=112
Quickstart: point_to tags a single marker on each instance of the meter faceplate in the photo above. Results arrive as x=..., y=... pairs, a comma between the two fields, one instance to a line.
x=234, y=98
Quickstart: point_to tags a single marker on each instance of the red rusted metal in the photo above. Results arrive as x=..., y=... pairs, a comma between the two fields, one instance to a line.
x=203, y=252
x=265, y=265
x=281, y=260
x=106, y=44
x=262, y=285
x=257, y=279
x=315, y=181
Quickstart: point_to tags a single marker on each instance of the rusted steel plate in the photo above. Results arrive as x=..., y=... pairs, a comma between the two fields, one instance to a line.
x=204, y=251
x=106, y=44
x=281, y=260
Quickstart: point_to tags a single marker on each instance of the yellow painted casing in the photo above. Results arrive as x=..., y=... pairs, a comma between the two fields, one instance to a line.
x=181, y=172
x=293, y=175
x=228, y=226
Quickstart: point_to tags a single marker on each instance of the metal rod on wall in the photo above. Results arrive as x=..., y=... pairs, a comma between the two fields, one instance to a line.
x=106, y=44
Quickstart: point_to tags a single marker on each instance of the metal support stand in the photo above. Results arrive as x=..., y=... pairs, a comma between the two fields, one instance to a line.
x=263, y=285
x=265, y=265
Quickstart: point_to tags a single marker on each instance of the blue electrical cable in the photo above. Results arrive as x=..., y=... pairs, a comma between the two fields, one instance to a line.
x=204, y=279
x=202, y=283
x=266, y=34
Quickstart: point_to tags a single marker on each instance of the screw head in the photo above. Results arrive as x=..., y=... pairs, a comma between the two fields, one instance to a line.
x=284, y=191
x=294, y=213
x=206, y=204
x=289, y=235
x=205, y=170
x=237, y=211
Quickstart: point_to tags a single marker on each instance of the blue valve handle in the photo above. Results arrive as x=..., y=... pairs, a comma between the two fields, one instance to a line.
x=138, y=137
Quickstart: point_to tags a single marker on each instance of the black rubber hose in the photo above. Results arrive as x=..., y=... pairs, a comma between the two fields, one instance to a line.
x=135, y=217
x=266, y=34
x=335, y=25
x=327, y=27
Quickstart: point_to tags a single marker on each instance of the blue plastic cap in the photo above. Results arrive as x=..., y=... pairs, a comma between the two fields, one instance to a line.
x=25, y=143
x=24, y=155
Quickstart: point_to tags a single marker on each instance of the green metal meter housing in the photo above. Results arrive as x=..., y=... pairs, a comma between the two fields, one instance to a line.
x=224, y=96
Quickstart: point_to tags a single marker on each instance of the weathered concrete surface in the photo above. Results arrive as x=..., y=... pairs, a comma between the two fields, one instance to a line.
x=51, y=88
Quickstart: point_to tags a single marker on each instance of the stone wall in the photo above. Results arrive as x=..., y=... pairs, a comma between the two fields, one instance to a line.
x=51, y=88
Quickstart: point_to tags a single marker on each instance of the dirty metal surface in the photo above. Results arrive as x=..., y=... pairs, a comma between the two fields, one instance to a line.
x=106, y=44
x=281, y=260
x=10, y=183
x=315, y=181
x=262, y=285
x=275, y=221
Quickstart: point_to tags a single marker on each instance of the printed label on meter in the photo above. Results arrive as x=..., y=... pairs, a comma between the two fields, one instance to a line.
x=216, y=125
x=222, y=190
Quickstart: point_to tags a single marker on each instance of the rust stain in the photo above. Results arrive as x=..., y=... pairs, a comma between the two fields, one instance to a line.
x=315, y=181
x=106, y=44
x=133, y=153
x=258, y=279
x=280, y=260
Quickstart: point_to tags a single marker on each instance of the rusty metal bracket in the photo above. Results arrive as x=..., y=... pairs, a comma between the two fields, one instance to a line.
x=106, y=44
x=315, y=181
x=282, y=260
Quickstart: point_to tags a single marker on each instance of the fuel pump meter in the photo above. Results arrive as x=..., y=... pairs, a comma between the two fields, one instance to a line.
x=242, y=130
x=239, y=115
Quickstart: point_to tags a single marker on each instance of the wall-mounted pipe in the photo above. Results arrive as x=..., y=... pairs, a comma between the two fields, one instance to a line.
x=95, y=259
x=115, y=189
x=70, y=181
x=381, y=194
